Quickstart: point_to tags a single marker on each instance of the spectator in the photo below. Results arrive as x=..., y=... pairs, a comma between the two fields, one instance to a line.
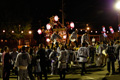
x=22, y=62
x=6, y=64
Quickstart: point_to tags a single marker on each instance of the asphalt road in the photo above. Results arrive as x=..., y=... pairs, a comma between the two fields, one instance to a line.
x=94, y=73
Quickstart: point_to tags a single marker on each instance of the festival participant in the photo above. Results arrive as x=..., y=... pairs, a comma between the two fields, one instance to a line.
x=117, y=52
x=99, y=60
x=85, y=38
x=13, y=56
x=73, y=37
x=83, y=55
x=111, y=58
x=54, y=38
x=22, y=62
x=62, y=58
x=54, y=60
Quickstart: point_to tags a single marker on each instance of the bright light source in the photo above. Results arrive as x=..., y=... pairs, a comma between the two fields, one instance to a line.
x=88, y=28
x=39, y=31
x=91, y=31
x=95, y=31
x=21, y=31
x=30, y=32
x=117, y=5
x=72, y=25
x=56, y=18
x=48, y=40
x=81, y=30
x=3, y=30
x=48, y=26
x=64, y=37
x=12, y=31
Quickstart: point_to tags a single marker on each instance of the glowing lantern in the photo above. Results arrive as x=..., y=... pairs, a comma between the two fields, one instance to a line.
x=104, y=34
x=72, y=25
x=64, y=37
x=103, y=28
x=111, y=29
x=119, y=27
x=48, y=40
x=39, y=31
x=48, y=26
x=56, y=18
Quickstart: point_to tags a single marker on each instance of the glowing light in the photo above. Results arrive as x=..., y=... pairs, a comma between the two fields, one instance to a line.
x=4, y=31
x=95, y=31
x=12, y=31
x=22, y=32
x=56, y=18
x=81, y=30
x=48, y=26
x=72, y=25
x=48, y=40
x=107, y=31
x=103, y=28
x=64, y=37
x=1, y=40
x=117, y=5
x=30, y=32
x=111, y=29
x=88, y=28
x=39, y=31
x=91, y=31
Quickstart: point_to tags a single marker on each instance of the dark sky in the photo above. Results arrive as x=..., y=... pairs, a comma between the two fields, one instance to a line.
x=94, y=12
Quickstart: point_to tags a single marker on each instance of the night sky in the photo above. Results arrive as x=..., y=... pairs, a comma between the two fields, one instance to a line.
x=94, y=12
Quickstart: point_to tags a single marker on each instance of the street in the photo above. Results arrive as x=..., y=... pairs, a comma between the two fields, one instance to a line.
x=92, y=74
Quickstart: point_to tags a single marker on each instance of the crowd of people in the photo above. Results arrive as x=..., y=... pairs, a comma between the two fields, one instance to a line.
x=32, y=62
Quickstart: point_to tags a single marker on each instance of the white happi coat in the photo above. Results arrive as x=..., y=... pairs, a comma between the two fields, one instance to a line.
x=83, y=53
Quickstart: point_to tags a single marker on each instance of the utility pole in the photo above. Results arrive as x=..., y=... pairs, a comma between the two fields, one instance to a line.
x=63, y=13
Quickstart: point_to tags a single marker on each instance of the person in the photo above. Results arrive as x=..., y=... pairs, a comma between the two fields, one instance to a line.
x=30, y=66
x=85, y=38
x=41, y=56
x=117, y=52
x=99, y=56
x=6, y=64
x=91, y=52
x=54, y=60
x=55, y=36
x=83, y=55
x=111, y=57
x=13, y=56
x=48, y=51
x=73, y=37
x=22, y=62
x=62, y=64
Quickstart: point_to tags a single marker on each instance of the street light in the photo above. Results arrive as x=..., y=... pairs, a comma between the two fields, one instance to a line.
x=22, y=32
x=3, y=31
x=88, y=28
x=117, y=6
x=12, y=31
x=30, y=32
